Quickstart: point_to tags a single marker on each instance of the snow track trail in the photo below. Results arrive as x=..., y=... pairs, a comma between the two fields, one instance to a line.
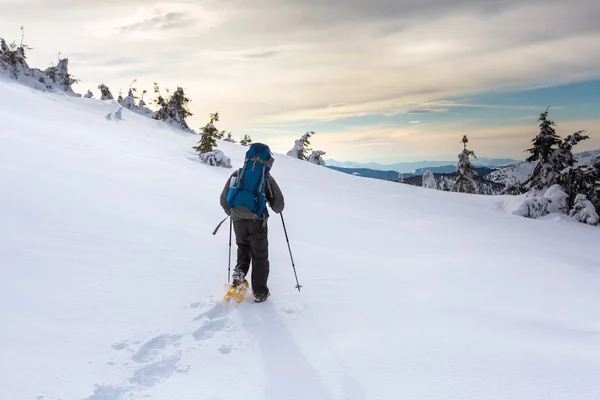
x=235, y=334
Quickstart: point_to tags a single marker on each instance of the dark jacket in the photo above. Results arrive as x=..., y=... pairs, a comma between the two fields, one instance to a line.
x=272, y=193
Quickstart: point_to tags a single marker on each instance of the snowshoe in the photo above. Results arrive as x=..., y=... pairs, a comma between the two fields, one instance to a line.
x=236, y=292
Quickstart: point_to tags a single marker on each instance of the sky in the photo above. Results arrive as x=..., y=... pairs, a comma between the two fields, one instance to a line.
x=378, y=80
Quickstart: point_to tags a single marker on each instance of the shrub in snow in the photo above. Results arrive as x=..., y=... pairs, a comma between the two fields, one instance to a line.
x=428, y=180
x=175, y=110
x=533, y=207
x=315, y=157
x=105, y=93
x=584, y=211
x=88, y=95
x=229, y=138
x=246, y=141
x=554, y=200
x=216, y=158
x=301, y=147
x=465, y=171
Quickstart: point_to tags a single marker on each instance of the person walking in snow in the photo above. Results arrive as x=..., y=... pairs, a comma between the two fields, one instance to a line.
x=244, y=198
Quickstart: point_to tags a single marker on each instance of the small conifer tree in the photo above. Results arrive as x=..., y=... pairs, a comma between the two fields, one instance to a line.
x=316, y=157
x=105, y=93
x=465, y=179
x=428, y=180
x=246, y=141
x=209, y=135
x=301, y=147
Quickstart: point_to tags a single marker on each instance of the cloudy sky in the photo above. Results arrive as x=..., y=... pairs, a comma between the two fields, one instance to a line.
x=378, y=80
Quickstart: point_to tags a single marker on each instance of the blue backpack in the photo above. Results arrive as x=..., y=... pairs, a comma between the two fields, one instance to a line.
x=246, y=194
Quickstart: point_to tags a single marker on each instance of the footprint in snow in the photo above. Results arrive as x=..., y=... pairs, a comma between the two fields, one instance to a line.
x=219, y=310
x=153, y=348
x=156, y=372
x=210, y=327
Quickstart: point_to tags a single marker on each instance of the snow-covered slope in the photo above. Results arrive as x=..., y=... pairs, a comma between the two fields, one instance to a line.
x=518, y=172
x=111, y=278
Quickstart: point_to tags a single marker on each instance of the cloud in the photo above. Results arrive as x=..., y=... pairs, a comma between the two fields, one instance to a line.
x=172, y=20
x=287, y=61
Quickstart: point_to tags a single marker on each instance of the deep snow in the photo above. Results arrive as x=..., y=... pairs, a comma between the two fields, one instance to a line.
x=112, y=279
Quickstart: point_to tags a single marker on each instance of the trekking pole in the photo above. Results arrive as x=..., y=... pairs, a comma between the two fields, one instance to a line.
x=289, y=248
x=229, y=266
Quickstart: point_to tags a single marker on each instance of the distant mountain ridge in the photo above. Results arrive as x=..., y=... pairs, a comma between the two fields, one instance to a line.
x=412, y=167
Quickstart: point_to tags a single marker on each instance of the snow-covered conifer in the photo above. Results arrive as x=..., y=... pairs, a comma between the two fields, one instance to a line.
x=584, y=211
x=551, y=154
x=13, y=59
x=400, y=177
x=315, y=157
x=175, y=110
x=465, y=179
x=105, y=93
x=61, y=79
x=129, y=101
x=301, y=147
x=208, y=141
x=557, y=199
x=429, y=180
x=246, y=141
x=88, y=95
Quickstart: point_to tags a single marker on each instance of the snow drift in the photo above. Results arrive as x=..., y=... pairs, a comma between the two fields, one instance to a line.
x=111, y=278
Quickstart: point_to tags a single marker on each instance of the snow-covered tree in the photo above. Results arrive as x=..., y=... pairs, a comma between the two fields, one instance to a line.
x=582, y=179
x=105, y=93
x=584, y=211
x=551, y=155
x=159, y=100
x=466, y=174
x=301, y=147
x=557, y=199
x=129, y=101
x=13, y=59
x=429, y=180
x=209, y=135
x=315, y=157
x=445, y=185
x=246, y=141
x=62, y=80
x=88, y=95
x=400, y=177
x=208, y=141
x=175, y=110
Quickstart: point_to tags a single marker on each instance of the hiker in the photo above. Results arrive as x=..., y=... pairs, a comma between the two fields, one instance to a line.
x=244, y=199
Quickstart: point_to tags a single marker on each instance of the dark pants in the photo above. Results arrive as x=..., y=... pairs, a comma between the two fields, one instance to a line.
x=252, y=242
